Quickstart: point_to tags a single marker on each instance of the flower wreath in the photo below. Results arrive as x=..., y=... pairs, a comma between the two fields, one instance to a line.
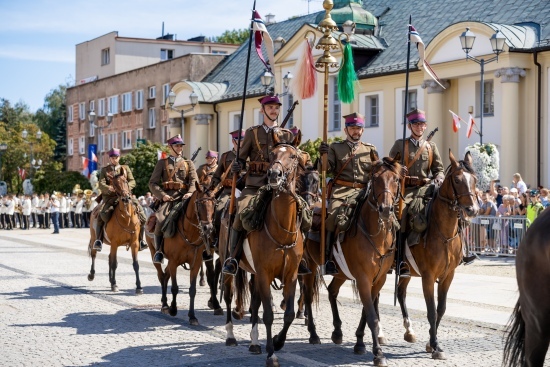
x=486, y=163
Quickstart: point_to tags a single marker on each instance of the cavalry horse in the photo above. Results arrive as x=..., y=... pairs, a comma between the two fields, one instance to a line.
x=194, y=230
x=439, y=251
x=275, y=250
x=529, y=329
x=121, y=230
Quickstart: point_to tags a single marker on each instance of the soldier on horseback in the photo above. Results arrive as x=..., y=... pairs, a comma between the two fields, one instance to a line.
x=422, y=160
x=256, y=146
x=173, y=179
x=350, y=163
x=110, y=197
x=205, y=171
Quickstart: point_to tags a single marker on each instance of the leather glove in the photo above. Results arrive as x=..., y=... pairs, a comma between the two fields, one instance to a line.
x=236, y=167
x=323, y=148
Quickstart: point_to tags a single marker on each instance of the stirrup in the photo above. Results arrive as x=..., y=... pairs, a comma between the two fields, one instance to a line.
x=143, y=245
x=98, y=246
x=467, y=260
x=158, y=258
x=404, y=271
x=330, y=268
x=302, y=268
x=230, y=266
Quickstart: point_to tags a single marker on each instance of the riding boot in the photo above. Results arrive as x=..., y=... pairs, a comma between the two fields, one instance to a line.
x=468, y=259
x=231, y=264
x=98, y=245
x=206, y=256
x=142, y=243
x=302, y=268
x=159, y=245
x=404, y=271
x=330, y=266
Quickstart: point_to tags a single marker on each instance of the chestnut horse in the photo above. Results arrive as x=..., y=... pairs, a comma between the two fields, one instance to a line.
x=275, y=250
x=439, y=251
x=194, y=230
x=121, y=230
x=529, y=329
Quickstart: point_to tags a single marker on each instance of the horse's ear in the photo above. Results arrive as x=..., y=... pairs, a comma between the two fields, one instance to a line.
x=275, y=134
x=297, y=139
x=122, y=171
x=397, y=157
x=468, y=158
x=452, y=158
x=374, y=155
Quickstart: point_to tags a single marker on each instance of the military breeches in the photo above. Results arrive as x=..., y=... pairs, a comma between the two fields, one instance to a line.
x=220, y=205
x=161, y=215
x=246, y=195
x=334, y=209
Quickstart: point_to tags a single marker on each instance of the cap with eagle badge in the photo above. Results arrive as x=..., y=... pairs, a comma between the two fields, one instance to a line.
x=354, y=119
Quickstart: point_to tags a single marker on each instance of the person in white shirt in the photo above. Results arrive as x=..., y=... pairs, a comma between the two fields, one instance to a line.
x=78, y=211
x=10, y=205
x=54, y=212
x=40, y=211
x=72, y=208
x=26, y=214
x=46, y=210
x=34, y=211
x=3, y=211
x=518, y=183
x=62, y=211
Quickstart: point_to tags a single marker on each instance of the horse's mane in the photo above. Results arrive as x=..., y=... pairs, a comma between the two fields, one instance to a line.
x=462, y=164
x=390, y=164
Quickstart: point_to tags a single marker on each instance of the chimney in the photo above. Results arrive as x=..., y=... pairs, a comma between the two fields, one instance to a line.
x=270, y=19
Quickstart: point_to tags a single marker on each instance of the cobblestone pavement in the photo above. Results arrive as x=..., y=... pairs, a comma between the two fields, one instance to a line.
x=51, y=315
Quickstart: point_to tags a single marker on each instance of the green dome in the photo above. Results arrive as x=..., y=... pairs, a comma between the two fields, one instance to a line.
x=351, y=10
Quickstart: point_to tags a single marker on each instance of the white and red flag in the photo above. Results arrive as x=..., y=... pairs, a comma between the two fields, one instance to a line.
x=260, y=34
x=22, y=173
x=456, y=121
x=161, y=155
x=470, y=127
x=94, y=157
x=415, y=37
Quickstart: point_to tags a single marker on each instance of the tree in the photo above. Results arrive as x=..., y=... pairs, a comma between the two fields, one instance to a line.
x=51, y=179
x=236, y=36
x=312, y=147
x=142, y=160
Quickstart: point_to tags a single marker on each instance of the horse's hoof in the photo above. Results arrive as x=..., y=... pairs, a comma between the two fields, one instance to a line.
x=218, y=312
x=231, y=342
x=202, y=283
x=255, y=349
x=139, y=291
x=429, y=348
x=91, y=277
x=236, y=315
x=411, y=338
x=194, y=322
x=359, y=349
x=114, y=288
x=210, y=304
x=382, y=340
x=438, y=355
x=278, y=344
x=314, y=340
x=173, y=311
x=380, y=361
x=299, y=315
x=165, y=310
x=272, y=362
x=337, y=337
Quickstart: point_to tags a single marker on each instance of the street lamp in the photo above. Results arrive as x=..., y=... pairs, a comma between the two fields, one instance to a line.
x=266, y=78
x=171, y=99
x=24, y=135
x=3, y=148
x=497, y=40
x=286, y=82
x=92, y=118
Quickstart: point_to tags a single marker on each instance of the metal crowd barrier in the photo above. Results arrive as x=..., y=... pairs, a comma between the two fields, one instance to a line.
x=495, y=236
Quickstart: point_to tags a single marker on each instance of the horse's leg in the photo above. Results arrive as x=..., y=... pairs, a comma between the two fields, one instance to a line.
x=135, y=265
x=289, y=293
x=428, y=287
x=333, y=290
x=193, y=275
x=113, y=263
x=255, y=303
x=402, y=298
x=381, y=337
x=300, y=312
x=201, y=282
x=172, y=269
x=442, y=291
x=263, y=290
x=93, y=253
x=212, y=284
x=164, y=285
x=308, y=291
x=230, y=339
x=536, y=344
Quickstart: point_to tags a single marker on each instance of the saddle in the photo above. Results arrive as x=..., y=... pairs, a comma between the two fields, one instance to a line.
x=170, y=224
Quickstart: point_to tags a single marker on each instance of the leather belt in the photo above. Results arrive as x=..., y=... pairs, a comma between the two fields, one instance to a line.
x=228, y=182
x=355, y=185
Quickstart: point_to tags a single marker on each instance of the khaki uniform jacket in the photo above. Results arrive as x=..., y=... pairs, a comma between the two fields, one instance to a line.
x=205, y=172
x=224, y=163
x=356, y=171
x=186, y=174
x=256, y=151
x=104, y=183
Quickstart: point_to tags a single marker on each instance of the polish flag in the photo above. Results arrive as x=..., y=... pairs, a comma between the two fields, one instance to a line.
x=470, y=127
x=456, y=121
x=161, y=155
x=94, y=157
x=22, y=173
x=85, y=162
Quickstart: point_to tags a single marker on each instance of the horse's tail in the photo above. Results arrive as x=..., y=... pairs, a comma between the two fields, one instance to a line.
x=514, y=346
x=241, y=288
x=317, y=281
x=355, y=290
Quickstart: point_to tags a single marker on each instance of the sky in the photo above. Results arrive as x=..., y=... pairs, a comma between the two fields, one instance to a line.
x=38, y=37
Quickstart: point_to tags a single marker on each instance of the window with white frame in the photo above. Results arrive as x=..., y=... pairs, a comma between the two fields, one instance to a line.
x=92, y=105
x=152, y=118
x=113, y=105
x=101, y=107
x=139, y=134
x=70, y=147
x=166, y=54
x=335, y=106
x=488, y=98
x=139, y=99
x=127, y=139
x=113, y=140
x=258, y=117
x=165, y=92
x=412, y=100
x=165, y=132
x=236, y=121
x=101, y=143
x=372, y=111
x=152, y=92
x=92, y=130
x=105, y=56
x=82, y=111
x=127, y=102
x=70, y=114
x=81, y=145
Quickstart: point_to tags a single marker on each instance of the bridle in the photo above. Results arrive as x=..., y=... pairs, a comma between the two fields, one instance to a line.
x=120, y=184
x=373, y=197
x=453, y=202
x=203, y=236
x=283, y=182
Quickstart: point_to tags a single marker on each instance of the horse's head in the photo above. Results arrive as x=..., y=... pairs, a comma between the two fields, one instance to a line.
x=205, y=206
x=458, y=187
x=309, y=186
x=384, y=186
x=120, y=184
x=282, y=170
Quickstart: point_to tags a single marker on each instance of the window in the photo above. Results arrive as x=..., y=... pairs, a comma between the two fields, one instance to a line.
x=82, y=111
x=289, y=102
x=217, y=52
x=165, y=132
x=412, y=101
x=127, y=139
x=101, y=143
x=127, y=102
x=488, y=98
x=166, y=54
x=139, y=99
x=92, y=130
x=70, y=115
x=334, y=107
x=92, y=105
x=101, y=107
x=113, y=140
x=139, y=134
x=372, y=111
x=165, y=92
x=258, y=117
x=113, y=105
x=105, y=56
x=152, y=92
x=152, y=118
x=81, y=145
x=70, y=147
x=237, y=121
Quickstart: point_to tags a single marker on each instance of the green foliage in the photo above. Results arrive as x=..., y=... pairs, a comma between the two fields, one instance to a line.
x=312, y=147
x=51, y=178
x=236, y=36
x=142, y=160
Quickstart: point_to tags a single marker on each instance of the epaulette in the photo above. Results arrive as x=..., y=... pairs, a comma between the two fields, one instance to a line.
x=367, y=144
x=253, y=127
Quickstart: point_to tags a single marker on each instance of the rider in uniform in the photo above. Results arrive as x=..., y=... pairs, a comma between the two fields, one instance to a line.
x=109, y=198
x=350, y=163
x=205, y=171
x=422, y=160
x=173, y=179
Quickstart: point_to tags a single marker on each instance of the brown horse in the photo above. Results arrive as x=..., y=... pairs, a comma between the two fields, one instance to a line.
x=439, y=251
x=194, y=230
x=275, y=250
x=121, y=230
x=529, y=329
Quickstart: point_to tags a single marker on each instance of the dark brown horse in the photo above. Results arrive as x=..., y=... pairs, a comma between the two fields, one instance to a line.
x=194, y=229
x=275, y=250
x=529, y=329
x=121, y=230
x=439, y=251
